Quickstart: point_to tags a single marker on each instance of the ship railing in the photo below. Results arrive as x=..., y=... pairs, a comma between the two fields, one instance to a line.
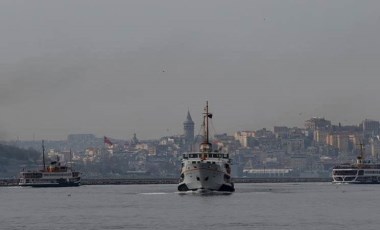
x=214, y=155
x=348, y=172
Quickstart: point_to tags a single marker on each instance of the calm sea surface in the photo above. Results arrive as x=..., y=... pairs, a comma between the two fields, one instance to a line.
x=253, y=206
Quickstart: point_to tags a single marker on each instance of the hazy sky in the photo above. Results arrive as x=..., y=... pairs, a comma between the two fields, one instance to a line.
x=117, y=67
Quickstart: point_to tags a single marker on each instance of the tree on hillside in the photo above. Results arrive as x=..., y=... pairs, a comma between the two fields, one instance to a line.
x=11, y=152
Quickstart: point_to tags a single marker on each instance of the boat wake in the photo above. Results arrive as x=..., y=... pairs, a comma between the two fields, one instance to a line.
x=154, y=193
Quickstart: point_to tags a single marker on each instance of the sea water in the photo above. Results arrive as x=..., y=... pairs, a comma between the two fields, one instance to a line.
x=274, y=206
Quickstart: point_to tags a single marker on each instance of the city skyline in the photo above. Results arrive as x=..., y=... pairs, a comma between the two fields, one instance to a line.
x=184, y=132
x=125, y=67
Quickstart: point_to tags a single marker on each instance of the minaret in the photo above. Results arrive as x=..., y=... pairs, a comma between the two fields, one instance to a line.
x=188, y=128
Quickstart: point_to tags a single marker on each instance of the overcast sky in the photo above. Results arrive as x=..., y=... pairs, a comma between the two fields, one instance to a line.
x=118, y=67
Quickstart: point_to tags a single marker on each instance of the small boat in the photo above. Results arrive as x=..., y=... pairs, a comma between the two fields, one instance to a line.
x=360, y=172
x=54, y=175
x=208, y=169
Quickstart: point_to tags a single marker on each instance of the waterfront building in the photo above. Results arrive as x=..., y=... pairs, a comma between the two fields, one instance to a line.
x=355, y=140
x=246, y=138
x=375, y=148
x=281, y=132
x=298, y=162
x=317, y=123
x=343, y=142
x=295, y=146
x=370, y=128
x=340, y=140
x=320, y=136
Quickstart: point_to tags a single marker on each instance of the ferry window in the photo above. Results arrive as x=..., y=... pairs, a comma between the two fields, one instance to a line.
x=346, y=172
x=193, y=162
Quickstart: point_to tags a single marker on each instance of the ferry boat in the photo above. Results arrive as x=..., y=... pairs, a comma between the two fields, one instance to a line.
x=54, y=175
x=360, y=172
x=208, y=169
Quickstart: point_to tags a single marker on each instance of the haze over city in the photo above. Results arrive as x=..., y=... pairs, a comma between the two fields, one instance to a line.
x=118, y=67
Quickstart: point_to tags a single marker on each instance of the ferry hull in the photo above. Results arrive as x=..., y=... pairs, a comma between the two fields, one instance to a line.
x=45, y=185
x=357, y=180
x=182, y=187
x=205, y=179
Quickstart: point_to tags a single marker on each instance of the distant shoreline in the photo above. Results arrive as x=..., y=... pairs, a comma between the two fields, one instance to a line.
x=13, y=182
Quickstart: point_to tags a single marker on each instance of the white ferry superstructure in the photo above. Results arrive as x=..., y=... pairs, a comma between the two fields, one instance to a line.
x=54, y=175
x=208, y=169
x=360, y=172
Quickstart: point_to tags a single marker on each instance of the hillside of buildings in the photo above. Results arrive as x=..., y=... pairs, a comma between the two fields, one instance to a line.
x=309, y=151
